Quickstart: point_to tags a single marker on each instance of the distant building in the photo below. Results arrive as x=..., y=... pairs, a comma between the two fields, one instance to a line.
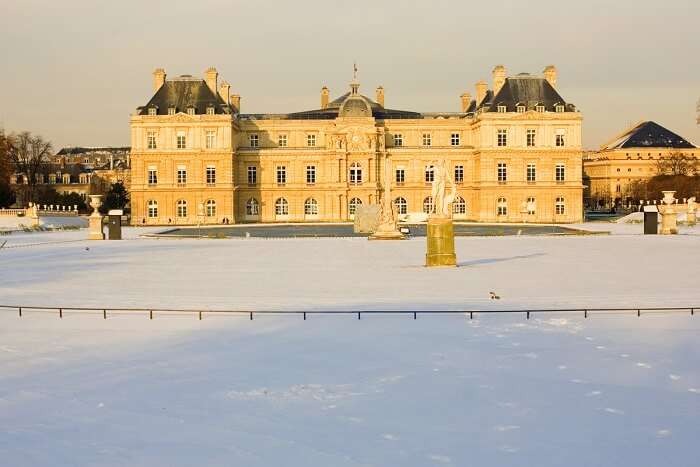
x=514, y=152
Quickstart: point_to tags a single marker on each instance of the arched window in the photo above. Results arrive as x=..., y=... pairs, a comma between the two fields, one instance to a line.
x=459, y=206
x=152, y=208
x=428, y=205
x=355, y=173
x=252, y=207
x=559, y=206
x=311, y=207
x=181, y=208
x=211, y=208
x=501, y=207
x=401, y=205
x=281, y=207
x=352, y=207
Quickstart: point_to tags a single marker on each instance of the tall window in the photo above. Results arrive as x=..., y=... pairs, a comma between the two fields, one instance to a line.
x=211, y=139
x=281, y=207
x=311, y=207
x=252, y=207
x=152, y=208
x=355, y=173
x=502, y=137
x=210, y=110
x=459, y=206
x=531, y=134
x=252, y=175
x=502, y=172
x=559, y=206
x=560, y=138
x=501, y=109
x=282, y=141
x=559, y=172
x=427, y=139
x=210, y=207
x=352, y=206
x=181, y=142
x=539, y=108
x=152, y=175
x=459, y=174
x=520, y=109
x=281, y=175
x=254, y=140
x=310, y=174
x=152, y=111
x=531, y=206
x=171, y=110
x=501, y=207
x=398, y=139
x=559, y=108
x=401, y=205
x=428, y=205
x=190, y=110
x=429, y=174
x=531, y=173
x=151, y=140
x=181, y=208
x=211, y=175
x=181, y=178
x=454, y=139
x=400, y=175
x=311, y=140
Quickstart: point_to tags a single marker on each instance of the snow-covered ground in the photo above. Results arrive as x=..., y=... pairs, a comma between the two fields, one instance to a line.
x=555, y=390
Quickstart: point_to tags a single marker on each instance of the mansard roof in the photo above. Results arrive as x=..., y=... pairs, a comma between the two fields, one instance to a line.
x=182, y=93
x=648, y=135
x=525, y=90
x=87, y=150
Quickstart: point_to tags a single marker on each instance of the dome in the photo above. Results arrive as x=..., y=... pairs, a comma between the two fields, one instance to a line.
x=355, y=106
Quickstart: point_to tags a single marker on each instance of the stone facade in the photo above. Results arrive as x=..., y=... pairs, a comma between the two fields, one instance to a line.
x=318, y=165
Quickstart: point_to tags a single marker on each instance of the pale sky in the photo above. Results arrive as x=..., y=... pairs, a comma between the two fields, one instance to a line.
x=73, y=71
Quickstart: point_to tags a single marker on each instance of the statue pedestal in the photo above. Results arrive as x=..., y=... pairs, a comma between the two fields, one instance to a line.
x=441, y=243
x=691, y=219
x=668, y=220
x=95, y=229
x=387, y=235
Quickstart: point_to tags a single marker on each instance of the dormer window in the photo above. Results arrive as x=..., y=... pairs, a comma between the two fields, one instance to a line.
x=210, y=110
x=539, y=108
x=501, y=109
x=559, y=108
x=520, y=108
x=190, y=110
x=171, y=110
x=152, y=110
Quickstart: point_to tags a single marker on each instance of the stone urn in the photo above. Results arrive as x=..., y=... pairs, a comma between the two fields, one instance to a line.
x=95, y=229
x=668, y=214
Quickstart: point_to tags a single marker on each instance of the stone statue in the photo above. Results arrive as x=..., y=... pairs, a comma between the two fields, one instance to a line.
x=388, y=217
x=382, y=142
x=691, y=218
x=441, y=180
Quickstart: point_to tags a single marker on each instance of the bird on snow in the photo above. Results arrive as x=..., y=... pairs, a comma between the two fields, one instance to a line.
x=494, y=296
x=87, y=248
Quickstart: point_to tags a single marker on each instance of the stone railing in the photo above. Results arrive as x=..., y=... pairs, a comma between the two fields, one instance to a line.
x=13, y=212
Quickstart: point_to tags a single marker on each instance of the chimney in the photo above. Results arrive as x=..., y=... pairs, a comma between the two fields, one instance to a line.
x=499, y=78
x=236, y=102
x=211, y=78
x=158, y=79
x=550, y=74
x=380, y=96
x=466, y=101
x=481, y=88
x=225, y=91
x=324, y=97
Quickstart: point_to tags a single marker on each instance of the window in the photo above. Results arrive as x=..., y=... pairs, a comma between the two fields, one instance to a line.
x=401, y=205
x=282, y=141
x=310, y=174
x=190, y=110
x=559, y=206
x=151, y=140
x=539, y=108
x=427, y=139
x=171, y=110
x=311, y=207
x=454, y=139
x=52, y=179
x=281, y=175
x=560, y=138
x=459, y=206
x=181, y=142
x=281, y=207
x=152, y=111
x=531, y=173
x=617, y=188
x=501, y=207
x=429, y=174
x=66, y=179
x=355, y=173
x=311, y=140
x=181, y=177
x=152, y=175
x=531, y=206
x=398, y=139
x=210, y=207
x=459, y=174
x=501, y=109
x=210, y=110
x=252, y=175
x=181, y=208
x=152, y=208
x=211, y=139
x=252, y=207
x=502, y=137
x=254, y=140
x=400, y=175
x=428, y=205
x=559, y=172
x=559, y=108
x=531, y=134
x=211, y=175
x=520, y=109
x=502, y=172
x=352, y=207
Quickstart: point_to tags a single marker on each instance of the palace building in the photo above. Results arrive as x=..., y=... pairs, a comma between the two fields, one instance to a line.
x=514, y=152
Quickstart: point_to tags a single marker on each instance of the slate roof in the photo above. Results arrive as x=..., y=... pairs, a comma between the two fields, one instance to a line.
x=184, y=92
x=87, y=150
x=528, y=90
x=649, y=135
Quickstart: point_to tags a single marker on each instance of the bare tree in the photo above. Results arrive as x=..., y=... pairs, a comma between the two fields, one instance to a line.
x=29, y=153
x=677, y=163
x=6, y=195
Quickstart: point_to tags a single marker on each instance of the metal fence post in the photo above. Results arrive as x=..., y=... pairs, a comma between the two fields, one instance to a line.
x=60, y=313
x=104, y=314
x=20, y=312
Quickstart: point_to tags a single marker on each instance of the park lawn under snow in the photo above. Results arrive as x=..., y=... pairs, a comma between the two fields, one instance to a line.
x=554, y=390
